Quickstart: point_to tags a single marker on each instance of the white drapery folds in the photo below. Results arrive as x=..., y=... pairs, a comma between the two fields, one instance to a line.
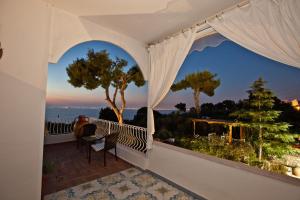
x=165, y=60
x=268, y=27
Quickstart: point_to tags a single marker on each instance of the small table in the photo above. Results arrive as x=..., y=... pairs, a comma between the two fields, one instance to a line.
x=89, y=140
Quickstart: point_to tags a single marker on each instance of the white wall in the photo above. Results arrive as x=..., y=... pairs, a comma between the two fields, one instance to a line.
x=24, y=28
x=68, y=30
x=135, y=158
x=215, y=181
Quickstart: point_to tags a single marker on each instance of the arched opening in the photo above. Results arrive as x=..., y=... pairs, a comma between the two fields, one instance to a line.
x=59, y=89
x=59, y=54
x=67, y=100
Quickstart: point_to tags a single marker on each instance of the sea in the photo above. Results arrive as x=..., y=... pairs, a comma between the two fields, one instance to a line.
x=65, y=113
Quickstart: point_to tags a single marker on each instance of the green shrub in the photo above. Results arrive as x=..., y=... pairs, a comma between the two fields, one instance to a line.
x=274, y=167
x=163, y=134
x=215, y=146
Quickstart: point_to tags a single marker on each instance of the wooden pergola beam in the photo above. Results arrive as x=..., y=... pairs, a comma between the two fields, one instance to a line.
x=214, y=121
x=230, y=124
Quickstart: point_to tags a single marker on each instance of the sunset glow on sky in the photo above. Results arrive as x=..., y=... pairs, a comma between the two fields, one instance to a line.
x=236, y=67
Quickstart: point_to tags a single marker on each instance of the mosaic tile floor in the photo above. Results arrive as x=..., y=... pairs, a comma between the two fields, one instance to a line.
x=130, y=184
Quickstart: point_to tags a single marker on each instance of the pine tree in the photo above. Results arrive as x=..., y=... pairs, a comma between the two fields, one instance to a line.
x=270, y=136
x=99, y=70
x=199, y=82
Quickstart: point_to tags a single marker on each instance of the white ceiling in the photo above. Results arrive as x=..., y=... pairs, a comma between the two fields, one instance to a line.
x=144, y=20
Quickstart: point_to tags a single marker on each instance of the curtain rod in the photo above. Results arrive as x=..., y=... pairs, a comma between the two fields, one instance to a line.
x=203, y=22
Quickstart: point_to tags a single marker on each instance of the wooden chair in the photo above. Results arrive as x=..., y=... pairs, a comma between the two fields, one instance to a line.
x=109, y=142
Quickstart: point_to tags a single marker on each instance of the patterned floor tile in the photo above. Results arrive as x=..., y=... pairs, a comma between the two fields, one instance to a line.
x=144, y=180
x=98, y=195
x=111, y=180
x=85, y=188
x=142, y=196
x=130, y=184
x=67, y=194
x=182, y=196
x=162, y=190
x=123, y=190
x=131, y=172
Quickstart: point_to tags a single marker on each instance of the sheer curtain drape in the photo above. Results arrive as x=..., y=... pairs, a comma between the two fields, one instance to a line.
x=268, y=27
x=165, y=60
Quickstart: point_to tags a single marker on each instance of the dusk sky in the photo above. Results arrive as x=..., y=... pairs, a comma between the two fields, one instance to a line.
x=236, y=67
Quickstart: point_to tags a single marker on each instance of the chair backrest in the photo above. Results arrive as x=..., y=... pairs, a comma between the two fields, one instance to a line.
x=88, y=129
x=111, y=140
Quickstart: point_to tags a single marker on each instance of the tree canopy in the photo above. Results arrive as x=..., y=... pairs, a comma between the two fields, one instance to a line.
x=181, y=107
x=99, y=70
x=271, y=137
x=205, y=82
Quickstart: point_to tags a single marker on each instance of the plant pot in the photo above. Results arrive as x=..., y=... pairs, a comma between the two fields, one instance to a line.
x=296, y=171
x=79, y=122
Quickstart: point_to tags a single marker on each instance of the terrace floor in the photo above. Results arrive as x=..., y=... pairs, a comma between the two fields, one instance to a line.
x=74, y=179
x=129, y=184
x=71, y=166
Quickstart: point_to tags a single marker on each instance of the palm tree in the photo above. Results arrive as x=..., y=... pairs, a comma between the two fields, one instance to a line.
x=199, y=82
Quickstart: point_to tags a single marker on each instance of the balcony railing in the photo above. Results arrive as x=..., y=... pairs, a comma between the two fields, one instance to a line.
x=134, y=137
x=59, y=127
x=131, y=136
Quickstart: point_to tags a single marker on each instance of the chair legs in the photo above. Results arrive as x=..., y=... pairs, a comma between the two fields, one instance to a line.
x=104, y=156
x=116, y=153
x=89, y=153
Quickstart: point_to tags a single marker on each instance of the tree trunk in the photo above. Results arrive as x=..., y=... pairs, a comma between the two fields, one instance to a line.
x=260, y=136
x=120, y=118
x=197, y=101
x=116, y=111
x=122, y=94
x=260, y=152
x=114, y=107
x=260, y=144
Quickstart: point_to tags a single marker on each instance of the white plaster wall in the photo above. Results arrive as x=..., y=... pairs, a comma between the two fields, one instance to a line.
x=68, y=30
x=134, y=157
x=216, y=181
x=24, y=28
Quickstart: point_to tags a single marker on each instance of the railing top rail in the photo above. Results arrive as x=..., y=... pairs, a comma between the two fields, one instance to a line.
x=116, y=123
x=132, y=136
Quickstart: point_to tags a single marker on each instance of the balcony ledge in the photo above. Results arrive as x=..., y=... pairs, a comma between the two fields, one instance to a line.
x=232, y=164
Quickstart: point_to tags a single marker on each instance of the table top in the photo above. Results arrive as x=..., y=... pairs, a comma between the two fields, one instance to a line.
x=93, y=138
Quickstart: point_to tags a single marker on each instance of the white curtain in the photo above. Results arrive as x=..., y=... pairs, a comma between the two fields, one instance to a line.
x=165, y=60
x=212, y=40
x=268, y=27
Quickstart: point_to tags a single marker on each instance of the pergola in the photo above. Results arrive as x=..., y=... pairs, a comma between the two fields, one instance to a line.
x=230, y=124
